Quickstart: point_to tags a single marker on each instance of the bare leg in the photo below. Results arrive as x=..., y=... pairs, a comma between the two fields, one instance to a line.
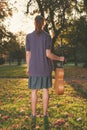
x=33, y=101
x=45, y=101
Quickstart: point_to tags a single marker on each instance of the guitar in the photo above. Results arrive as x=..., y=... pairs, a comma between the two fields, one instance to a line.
x=59, y=79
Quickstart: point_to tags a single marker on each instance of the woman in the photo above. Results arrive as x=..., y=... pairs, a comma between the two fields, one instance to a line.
x=39, y=67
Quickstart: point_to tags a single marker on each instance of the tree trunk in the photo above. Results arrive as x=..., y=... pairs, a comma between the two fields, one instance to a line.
x=75, y=57
x=18, y=61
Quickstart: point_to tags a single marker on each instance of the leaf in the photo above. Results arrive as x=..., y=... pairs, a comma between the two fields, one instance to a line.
x=1, y=103
x=37, y=127
x=27, y=117
x=66, y=124
x=15, y=126
x=59, y=121
x=5, y=117
x=71, y=115
x=79, y=119
x=22, y=111
x=4, y=128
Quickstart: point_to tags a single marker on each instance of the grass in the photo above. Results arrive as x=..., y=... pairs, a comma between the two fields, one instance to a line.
x=13, y=71
x=66, y=112
x=71, y=72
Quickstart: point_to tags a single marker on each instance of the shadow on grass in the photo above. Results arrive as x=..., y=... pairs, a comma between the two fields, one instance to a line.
x=79, y=88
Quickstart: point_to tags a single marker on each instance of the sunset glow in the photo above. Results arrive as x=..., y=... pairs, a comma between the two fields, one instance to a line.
x=19, y=21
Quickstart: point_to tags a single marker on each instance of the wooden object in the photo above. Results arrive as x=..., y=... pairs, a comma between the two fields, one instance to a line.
x=59, y=81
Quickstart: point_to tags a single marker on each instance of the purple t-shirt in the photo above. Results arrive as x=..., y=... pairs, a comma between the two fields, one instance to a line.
x=39, y=65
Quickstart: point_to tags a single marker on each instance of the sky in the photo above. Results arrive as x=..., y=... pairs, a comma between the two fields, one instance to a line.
x=20, y=21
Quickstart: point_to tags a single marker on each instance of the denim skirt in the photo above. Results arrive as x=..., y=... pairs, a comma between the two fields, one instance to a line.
x=36, y=82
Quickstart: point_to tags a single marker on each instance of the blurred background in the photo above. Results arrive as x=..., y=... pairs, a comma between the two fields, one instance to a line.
x=66, y=21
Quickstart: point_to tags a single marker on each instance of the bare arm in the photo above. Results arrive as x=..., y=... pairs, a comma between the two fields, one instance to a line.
x=28, y=55
x=52, y=56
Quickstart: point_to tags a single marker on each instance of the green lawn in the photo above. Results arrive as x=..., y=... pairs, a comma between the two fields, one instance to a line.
x=13, y=71
x=66, y=112
x=20, y=71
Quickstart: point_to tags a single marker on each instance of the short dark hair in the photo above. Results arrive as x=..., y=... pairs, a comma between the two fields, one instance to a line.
x=39, y=18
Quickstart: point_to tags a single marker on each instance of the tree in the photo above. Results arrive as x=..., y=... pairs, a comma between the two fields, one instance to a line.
x=77, y=40
x=5, y=11
x=58, y=14
x=15, y=50
x=61, y=16
x=82, y=35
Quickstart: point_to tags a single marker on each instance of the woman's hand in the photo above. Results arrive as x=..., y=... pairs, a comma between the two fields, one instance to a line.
x=61, y=58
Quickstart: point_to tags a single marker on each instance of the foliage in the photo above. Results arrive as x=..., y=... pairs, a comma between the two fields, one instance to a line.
x=9, y=46
x=64, y=21
x=5, y=9
x=15, y=50
x=82, y=37
x=4, y=38
x=12, y=49
x=77, y=39
x=58, y=14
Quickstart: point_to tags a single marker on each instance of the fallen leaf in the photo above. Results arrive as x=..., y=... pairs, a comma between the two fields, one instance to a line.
x=5, y=117
x=22, y=111
x=0, y=103
x=27, y=117
x=15, y=125
x=59, y=122
x=66, y=124
x=71, y=115
x=37, y=127
x=79, y=119
x=4, y=128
